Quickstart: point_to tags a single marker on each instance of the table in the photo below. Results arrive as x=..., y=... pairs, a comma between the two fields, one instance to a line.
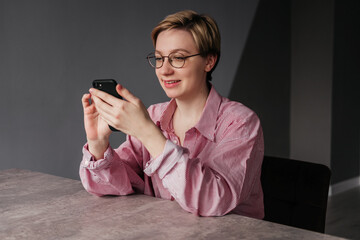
x=39, y=206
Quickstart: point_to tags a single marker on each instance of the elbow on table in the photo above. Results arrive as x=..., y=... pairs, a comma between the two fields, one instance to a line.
x=215, y=207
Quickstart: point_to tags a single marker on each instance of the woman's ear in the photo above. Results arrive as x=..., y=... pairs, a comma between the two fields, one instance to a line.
x=210, y=62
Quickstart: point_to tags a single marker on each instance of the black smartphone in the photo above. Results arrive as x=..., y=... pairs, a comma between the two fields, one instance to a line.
x=108, y=86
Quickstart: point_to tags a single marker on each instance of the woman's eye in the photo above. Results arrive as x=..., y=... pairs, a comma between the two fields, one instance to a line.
x=178, y=58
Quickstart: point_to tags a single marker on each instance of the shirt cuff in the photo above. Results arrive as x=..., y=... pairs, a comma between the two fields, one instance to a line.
x=89, y=161
x=164, y=162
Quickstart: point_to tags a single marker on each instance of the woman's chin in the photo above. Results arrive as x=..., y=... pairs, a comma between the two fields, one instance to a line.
x=170, y=93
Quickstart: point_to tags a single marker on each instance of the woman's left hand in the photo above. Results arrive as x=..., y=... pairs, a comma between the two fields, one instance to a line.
x=130, y=117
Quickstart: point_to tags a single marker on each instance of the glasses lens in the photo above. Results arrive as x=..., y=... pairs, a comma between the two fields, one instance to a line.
x=158, y=59
x=177, y=60
x=152, y=59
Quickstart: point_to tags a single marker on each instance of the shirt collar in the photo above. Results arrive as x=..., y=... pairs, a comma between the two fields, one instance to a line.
x=165, y=119
x=207, y=123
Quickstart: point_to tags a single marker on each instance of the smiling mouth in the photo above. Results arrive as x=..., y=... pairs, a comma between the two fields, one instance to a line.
x=172, y=81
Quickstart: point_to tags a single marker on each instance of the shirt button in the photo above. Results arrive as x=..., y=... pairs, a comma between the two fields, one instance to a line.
x=86, y=163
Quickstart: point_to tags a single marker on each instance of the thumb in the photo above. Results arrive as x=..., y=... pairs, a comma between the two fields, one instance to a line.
x=126, y=94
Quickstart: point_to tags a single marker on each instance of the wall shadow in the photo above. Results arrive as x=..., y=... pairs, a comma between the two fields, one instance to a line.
x=262, y=80
x=345, y=131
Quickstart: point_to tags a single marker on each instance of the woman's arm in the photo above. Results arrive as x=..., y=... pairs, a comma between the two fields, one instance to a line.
x=118, y=173
x=103, y=170
x=217, y=185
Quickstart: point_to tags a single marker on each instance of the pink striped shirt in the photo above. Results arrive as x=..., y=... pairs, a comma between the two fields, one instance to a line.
x=216, y=171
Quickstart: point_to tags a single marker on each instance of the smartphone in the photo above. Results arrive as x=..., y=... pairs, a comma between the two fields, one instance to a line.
x=108, y=86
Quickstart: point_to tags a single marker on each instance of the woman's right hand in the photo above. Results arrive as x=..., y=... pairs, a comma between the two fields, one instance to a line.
x=97, y=130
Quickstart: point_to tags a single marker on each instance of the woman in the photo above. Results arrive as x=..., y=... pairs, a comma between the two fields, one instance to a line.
x=199, y=148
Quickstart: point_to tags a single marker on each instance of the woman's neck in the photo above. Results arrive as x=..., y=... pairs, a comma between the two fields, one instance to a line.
x=189, y=111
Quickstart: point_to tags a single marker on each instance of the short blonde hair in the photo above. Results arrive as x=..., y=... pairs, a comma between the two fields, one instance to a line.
x=202, y=27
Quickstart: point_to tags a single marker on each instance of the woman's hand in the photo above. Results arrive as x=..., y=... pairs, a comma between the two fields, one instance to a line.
x=96, y=128
x=129, y=116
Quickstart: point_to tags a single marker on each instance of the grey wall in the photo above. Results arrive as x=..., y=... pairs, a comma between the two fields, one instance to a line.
x=52, y=50
x=345, y=154
x=294, y=62
x=325, y=81
x=311, y=80
x=300, y=72
x=285, y=75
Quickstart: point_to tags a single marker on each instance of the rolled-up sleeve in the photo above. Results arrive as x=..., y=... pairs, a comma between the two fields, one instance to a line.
x=166, y=161
x=115, y=174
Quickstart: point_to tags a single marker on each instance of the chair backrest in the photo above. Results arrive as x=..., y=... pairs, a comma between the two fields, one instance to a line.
x=295, y=192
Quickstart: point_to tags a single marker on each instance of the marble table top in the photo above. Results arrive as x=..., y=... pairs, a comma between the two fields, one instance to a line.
x=39, y=206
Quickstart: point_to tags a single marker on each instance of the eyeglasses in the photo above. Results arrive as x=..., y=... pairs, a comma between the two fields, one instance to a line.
x=177, y=60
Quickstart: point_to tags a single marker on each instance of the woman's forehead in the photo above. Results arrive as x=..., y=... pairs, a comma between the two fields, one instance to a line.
x=175, y=39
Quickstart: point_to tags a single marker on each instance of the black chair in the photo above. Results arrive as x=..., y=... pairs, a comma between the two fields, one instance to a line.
x=295, y=192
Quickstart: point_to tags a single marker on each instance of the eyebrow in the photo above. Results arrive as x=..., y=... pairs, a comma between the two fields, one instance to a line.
x=175, y=50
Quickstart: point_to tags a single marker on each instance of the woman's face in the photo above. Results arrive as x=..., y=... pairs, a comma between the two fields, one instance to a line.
x=188, y=81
